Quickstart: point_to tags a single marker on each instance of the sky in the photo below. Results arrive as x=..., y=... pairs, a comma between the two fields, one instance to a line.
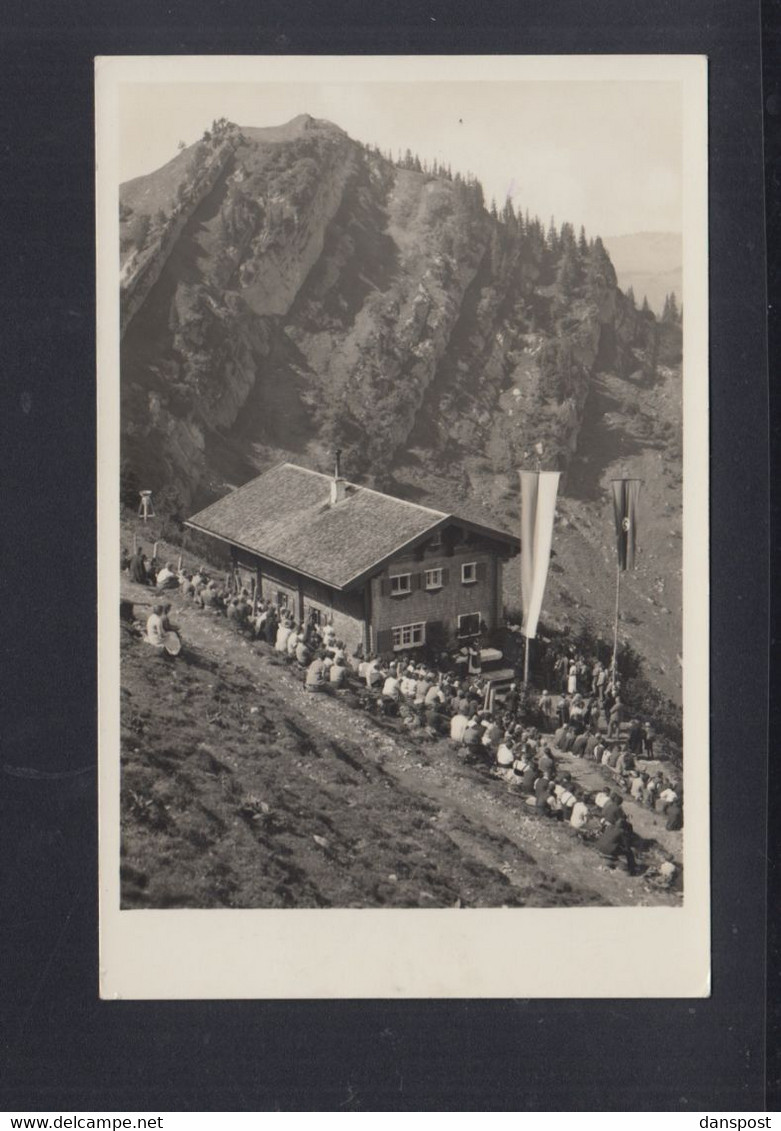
x=604, y=154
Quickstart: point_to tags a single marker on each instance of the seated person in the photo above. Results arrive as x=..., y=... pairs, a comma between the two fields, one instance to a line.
x=674, y=814
x=302, y=653
x=579, y=814
x=166, y=578
x=373, y=673
x=492, y=734
x=625, y=762
x=505, y=752
x=436, y=722
x=611, y=810
x=473, y=735
x=458, y=725
x=155, y=628
x=390, y=688
x=314, y=675
x=337, y=673
x=434, y=695
x=639, y=782
x=186, y=585
x=616, y=841
x=543, y=789
x=547, y=762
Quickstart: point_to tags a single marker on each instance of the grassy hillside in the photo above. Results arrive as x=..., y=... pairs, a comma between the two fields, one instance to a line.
x=240, y=790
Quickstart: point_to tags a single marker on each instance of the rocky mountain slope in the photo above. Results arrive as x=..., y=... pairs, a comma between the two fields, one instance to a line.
x=287, y=291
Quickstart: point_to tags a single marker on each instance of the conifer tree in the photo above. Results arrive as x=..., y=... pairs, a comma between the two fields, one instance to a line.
x=670, y=312
x=630, y=297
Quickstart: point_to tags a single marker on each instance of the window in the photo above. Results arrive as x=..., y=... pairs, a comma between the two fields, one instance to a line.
x=408, y=635
x=469, y=624
x=401, y=583
x=436, y=541
x=433, y=578
x=315, y=616
x=469, y=572
x=282, y=601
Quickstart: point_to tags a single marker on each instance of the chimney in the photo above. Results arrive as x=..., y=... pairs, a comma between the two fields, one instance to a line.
x=338, y=485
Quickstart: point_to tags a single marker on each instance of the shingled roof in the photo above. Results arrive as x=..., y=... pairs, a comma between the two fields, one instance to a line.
x=286, y=516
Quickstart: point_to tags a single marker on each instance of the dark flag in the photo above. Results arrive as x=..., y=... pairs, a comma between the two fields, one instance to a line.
x=625, y=492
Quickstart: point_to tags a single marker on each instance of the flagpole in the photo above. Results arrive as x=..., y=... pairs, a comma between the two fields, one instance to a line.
x=526, y=663
x=615, y=627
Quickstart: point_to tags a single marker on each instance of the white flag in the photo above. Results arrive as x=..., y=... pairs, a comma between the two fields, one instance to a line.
x=538, y=506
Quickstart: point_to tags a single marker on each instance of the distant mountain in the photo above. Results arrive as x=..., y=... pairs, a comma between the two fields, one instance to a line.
x=649, y=262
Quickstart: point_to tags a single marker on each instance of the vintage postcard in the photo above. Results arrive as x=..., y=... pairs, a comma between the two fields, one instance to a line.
x=403, y=519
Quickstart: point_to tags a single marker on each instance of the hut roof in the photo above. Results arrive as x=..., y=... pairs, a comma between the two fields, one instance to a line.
x=286, y=515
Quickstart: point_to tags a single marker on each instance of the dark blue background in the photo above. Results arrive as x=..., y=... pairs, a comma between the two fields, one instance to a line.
x=64, y=1049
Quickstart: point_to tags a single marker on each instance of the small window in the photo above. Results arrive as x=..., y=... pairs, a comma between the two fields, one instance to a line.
x=408, y=635
x=433, y=578
x=315, y=616
x=401, y=583
x=469, y=624
x=282, y=601
x=435, y=542
x=469, y=572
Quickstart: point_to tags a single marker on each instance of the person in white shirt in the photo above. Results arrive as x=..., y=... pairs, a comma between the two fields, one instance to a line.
x=434, y=695
x=505, y=753
x=283, y=635
x=579, y=815
x=373, y=674
x=166, y=578
x=390, y=688
x=458, y=726
x=638, y=785
x=293, y=641
x=155, y=628
x=408, y=683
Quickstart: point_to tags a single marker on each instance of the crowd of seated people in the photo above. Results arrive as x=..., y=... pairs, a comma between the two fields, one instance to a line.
x=585, y=720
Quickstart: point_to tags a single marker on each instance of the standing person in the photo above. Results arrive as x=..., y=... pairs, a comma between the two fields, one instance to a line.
x=283, y=636
x=634, y=740
x=649, y=737
x=546, y=709
x=271, y=627
x=561, y=670
x=616, y=718
x=601, y=682
x=137, y=568
x=572, y=679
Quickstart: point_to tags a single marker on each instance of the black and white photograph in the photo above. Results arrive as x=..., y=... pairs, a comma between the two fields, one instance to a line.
x=403, y=525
